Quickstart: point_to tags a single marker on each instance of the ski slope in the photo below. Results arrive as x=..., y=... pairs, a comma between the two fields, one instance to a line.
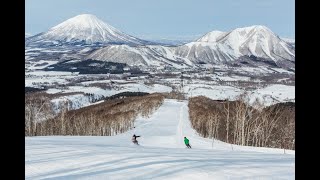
x=161, y=154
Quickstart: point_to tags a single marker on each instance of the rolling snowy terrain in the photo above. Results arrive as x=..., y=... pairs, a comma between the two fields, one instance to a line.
x=162, y=154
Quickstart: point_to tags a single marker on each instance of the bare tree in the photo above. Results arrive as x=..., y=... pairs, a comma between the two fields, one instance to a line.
x=227, y=114
x=238, y=122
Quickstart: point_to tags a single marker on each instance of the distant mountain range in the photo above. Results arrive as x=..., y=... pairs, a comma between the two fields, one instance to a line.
x=27, y=35
x=290, y=41
x=254, y=45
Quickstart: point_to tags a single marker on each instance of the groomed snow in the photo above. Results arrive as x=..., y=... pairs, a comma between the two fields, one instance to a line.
x=162, y=154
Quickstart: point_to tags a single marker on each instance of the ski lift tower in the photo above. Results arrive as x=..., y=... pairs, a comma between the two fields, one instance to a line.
x=181, y=82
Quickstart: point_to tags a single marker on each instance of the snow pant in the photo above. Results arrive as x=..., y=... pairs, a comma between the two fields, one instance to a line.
x=188, y=145
x=135, y=142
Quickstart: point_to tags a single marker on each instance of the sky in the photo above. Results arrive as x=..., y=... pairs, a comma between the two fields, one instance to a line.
x=166, y=19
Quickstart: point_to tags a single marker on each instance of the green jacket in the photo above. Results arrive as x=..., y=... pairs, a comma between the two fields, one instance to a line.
x=186, y=141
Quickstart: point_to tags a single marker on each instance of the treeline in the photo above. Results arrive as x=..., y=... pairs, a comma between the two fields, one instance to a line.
x=94, y=98
x=104, y=119
x=175, y=94
x=38, y=107
x=236, y=122
x=32, y=89
x=85, y=67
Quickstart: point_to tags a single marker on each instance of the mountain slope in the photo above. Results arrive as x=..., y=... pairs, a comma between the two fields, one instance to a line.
x=212, y=36
x=289, y=41
x=27, y=35
x=86, y=28
x=162, y=154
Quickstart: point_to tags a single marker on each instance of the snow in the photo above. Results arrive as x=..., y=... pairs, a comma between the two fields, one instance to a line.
x=289, y=40
x=253, y=40
x=33, y=49
x=33, y=67
x=162, y=154
x=254, y=70
x=52, y=73
x=27, y=35
x=211, y=89
x=273, y=94
x=93, y=90
x=283, y=79
x=31, y=82
x=233, y=78
x=51, y=51
x=286, y=48
x=214, y=92
x=53, y=91
x=78, y=101
x=280, y=70
x=134, y=87
x=47, y=77
x=85, y=50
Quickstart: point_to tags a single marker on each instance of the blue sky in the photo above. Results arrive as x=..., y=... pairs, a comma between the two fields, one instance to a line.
x=173, y=19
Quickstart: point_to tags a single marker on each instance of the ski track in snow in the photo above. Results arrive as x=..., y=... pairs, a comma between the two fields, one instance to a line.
x=161, y=154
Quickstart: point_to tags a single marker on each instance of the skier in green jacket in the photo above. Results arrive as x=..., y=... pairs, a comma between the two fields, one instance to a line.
x=186, y=141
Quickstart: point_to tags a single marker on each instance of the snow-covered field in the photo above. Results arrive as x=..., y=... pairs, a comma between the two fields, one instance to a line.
x=80, y=100
x=274, y=93
x=162, y=154
x=215, y=92
x=269, y=95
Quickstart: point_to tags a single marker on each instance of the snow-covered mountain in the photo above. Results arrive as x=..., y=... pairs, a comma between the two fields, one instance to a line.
x=254, y=44
x=151, y=55
x=217, y=46
x=86, y=28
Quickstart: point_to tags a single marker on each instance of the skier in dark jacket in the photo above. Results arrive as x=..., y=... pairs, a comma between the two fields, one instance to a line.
x=186, y=141
x=134, y=139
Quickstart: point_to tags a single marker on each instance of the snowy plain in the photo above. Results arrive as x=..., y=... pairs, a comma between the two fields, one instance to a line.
x=161, y=154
